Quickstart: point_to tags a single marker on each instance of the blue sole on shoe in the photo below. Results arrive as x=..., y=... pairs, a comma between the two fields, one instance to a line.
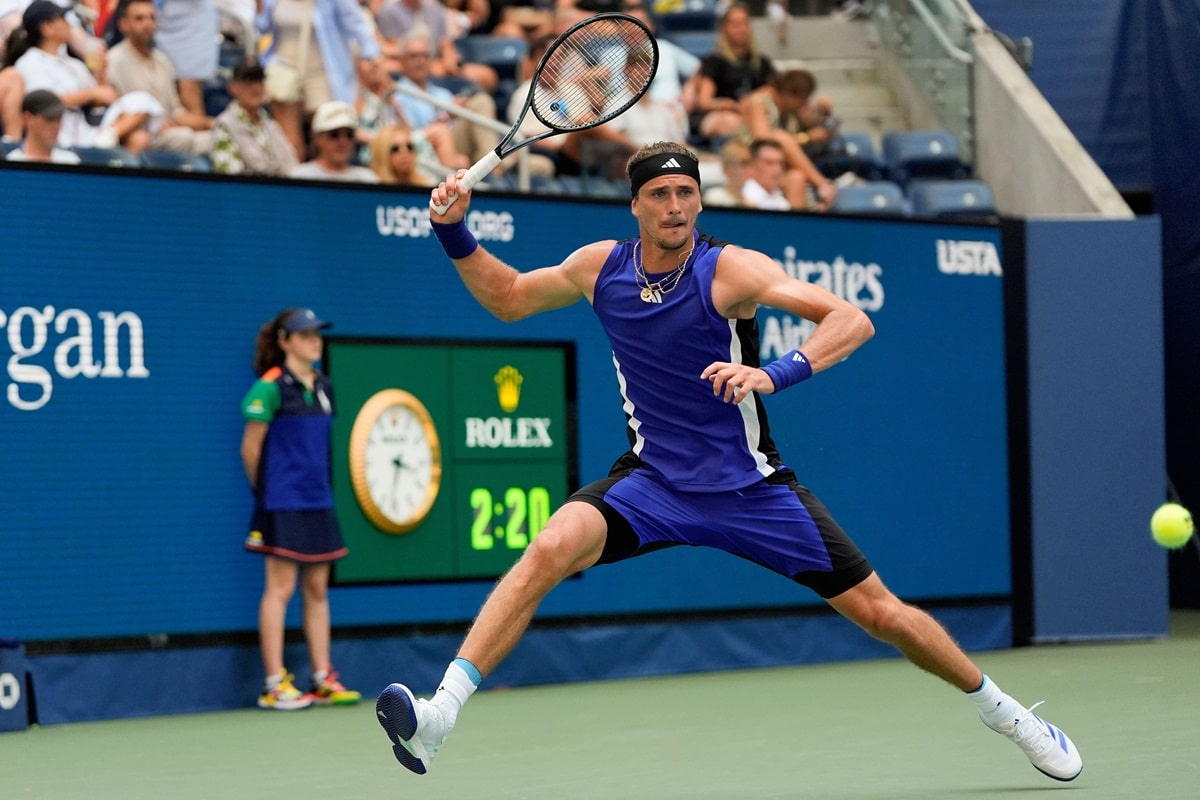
x=397, y=713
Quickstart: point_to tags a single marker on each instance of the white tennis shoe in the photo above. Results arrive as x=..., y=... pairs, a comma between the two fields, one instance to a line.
x=416, y=727
x=1049, y=749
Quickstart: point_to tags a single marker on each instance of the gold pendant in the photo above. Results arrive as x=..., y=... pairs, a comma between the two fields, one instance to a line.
x=647, y=295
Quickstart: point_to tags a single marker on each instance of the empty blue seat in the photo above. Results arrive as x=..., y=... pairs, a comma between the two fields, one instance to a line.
x=501, y=53
x=107, y=156
x=951, y=198
x=922, y=154
x=872, y=197
x=851, y=151
x=180, y=162
x=698, y=43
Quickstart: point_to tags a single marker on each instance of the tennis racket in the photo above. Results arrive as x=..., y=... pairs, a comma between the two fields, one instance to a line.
x=594, y=72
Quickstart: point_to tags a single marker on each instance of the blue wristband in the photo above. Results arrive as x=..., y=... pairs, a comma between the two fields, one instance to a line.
x=456, y=238
x=788, y=370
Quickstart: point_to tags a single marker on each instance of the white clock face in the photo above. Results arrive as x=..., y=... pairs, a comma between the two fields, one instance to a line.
x=395, y=461
x=399, y=464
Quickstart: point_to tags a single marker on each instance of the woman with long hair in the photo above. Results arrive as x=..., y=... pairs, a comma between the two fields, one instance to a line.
x=394, y=157
x=734, y=69
x=285, y=453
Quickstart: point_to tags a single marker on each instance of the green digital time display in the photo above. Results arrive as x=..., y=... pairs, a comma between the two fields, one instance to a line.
x=500, y=414
x=515, y=521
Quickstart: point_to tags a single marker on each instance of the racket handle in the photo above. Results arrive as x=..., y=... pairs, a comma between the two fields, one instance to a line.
x=478, y=171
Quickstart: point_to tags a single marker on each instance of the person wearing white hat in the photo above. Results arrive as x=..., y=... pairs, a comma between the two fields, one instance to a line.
x=334, y=146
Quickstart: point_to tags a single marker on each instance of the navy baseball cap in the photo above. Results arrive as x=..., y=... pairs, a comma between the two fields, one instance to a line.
x=40, y=11
x=304, y=319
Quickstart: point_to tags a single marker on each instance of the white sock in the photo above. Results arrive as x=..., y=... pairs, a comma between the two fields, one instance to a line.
x=456, y=688
x=994, y=706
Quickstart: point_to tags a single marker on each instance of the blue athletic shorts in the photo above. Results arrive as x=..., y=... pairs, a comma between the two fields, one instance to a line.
x=776, y=523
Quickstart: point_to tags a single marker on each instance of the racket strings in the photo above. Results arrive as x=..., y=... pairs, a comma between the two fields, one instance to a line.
x=594, y=74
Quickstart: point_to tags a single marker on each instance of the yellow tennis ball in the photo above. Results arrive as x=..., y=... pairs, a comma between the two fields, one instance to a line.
x=1171, y=526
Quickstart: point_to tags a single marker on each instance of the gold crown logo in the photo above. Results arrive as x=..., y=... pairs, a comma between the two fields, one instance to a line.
x=508, y=388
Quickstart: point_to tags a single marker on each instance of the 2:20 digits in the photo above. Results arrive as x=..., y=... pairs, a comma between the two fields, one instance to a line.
x=518, y=520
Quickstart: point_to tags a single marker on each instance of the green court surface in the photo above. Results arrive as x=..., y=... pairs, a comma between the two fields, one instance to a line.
x=846, y=731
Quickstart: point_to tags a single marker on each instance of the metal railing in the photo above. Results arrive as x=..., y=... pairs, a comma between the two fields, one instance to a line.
x=931, y=40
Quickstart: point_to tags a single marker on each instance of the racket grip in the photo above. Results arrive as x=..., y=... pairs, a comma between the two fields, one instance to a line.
x=478, y=171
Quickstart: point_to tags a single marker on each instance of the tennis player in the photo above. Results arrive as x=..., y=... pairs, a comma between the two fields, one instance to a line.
x=679, y=311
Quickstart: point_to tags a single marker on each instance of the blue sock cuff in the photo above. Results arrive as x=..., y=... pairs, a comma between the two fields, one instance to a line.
x=978, y=688
x=472, y=672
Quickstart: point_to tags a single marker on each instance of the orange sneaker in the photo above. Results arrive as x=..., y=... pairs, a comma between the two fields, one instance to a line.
x=330, y=692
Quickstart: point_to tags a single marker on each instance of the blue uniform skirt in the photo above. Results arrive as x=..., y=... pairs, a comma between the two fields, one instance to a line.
x=309, y=536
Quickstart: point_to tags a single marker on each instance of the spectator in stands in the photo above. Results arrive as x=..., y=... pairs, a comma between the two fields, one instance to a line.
x=735, y=160
x=394, y=157
x=285, y=454
x=526, y=19
x=42, y=112
x=136, y=64
x=782, y=112
x=378, y=105
x=399, y=18
x=187, y=32
x=310, y=60
x=468, y=16
x=246, y=139
x=733, y=70
x=41, y=56
x=470, y=141
x=676, y=66
x=12, y=91
x=334, y=129
x=651, y=119
x=763, y=187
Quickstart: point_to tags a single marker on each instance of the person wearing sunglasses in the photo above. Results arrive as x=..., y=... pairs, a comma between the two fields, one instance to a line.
x=394, y=152
x=334, y=127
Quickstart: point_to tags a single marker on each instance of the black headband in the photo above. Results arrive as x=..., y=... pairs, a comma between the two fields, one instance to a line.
x=663, y=164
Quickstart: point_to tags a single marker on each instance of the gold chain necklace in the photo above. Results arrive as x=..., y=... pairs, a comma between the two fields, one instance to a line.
x=653, y=292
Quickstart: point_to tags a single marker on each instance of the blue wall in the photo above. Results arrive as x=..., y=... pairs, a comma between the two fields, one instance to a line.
x=125, y=505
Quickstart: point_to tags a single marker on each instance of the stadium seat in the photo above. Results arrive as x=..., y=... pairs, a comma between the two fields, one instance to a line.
x=216, y=96
x=699, y=43
x=501, y=53
x=922, y=154
x=872, y=197
x=107, y=156
x=951, y=198
x=851, y=151
x=180, y=162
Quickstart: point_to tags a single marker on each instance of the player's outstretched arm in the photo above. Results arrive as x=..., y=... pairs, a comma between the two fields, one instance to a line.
x=506, y=292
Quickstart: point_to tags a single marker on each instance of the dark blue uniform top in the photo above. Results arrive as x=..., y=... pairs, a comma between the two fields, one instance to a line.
x=692, y=439
x=294, y=470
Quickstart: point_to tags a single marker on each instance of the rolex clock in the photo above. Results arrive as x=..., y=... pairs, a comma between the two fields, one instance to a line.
x=395, y=461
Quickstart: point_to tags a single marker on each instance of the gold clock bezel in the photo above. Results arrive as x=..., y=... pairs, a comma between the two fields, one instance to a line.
x=359, y=435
